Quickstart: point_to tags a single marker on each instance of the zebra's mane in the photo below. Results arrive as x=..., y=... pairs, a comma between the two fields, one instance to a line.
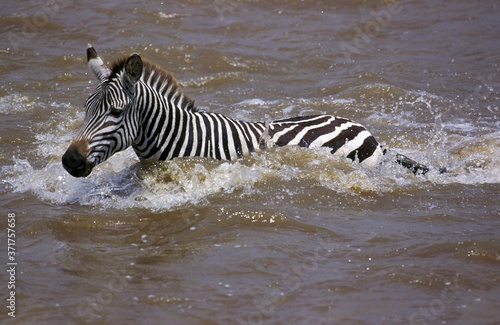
x=159, y=79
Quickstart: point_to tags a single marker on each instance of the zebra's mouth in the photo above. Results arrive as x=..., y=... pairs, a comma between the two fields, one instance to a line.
x=75, y=161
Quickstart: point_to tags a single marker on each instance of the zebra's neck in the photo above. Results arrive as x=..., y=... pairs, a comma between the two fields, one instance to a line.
x=171, y=127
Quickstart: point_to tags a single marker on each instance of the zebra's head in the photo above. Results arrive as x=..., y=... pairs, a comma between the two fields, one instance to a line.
x=109, y=125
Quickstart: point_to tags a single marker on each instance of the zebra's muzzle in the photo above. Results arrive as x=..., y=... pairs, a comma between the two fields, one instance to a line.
x=75, y=160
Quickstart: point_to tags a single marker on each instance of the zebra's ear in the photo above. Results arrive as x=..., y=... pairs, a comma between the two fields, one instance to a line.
x=133, y=69
x=96, y=65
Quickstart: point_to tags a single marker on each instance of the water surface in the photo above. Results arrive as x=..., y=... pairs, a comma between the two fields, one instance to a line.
x=289, y=236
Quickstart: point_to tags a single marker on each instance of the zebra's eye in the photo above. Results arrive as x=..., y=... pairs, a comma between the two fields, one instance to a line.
x=115, y=111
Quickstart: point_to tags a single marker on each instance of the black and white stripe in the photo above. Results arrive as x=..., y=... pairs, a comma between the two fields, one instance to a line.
x=343, y=136
x=141, y=105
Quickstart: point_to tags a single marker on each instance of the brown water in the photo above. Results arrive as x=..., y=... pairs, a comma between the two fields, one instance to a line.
x=291, y=236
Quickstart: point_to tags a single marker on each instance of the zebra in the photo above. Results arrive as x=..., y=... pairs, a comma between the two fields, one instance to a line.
x=138, y=103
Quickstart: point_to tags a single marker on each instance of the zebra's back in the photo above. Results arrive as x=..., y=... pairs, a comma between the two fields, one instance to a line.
x=343, y=136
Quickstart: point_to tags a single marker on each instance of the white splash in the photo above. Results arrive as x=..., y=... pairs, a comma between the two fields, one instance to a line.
x=122, y=182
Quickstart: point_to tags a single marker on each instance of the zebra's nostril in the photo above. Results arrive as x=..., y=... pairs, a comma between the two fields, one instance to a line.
x=76, y=164
x=75, y=160
x=72, y=159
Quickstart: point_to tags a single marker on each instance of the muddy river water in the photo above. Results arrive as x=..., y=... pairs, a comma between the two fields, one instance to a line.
x=288, y=236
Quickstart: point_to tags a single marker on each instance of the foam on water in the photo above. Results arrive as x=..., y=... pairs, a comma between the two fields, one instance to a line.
x=16, y=103
x=123, y=182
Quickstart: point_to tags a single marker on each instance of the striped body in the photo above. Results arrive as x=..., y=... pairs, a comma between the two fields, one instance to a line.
x=141, y=105
x=199, y=134
x=344, y=137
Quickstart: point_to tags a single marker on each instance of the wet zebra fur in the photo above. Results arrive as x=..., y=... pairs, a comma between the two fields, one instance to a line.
x=142, y=105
